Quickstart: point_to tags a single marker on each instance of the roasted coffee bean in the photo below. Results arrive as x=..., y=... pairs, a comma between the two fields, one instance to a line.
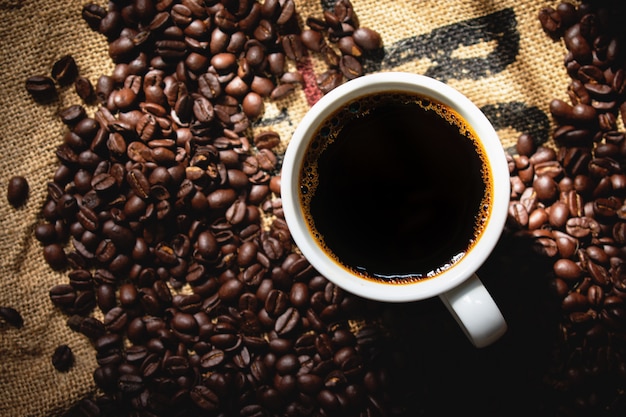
x=204, y=398
x=567, y=269
x=41, y=87
x=55, y=256
x=72, y=115
x=231, y=289
x=17, y=190
x=93, y=15
x=367, y=39
x=65, y=70
x=282, y=91
x=92, y=328
x=62, y=358
x=546, y=188
x=559, y=213
x=329, y=80
x=550, y=21
x=103, y=182
x=293, y=47
x=12, y=317
x=575, y=301
x=115, y=320
x=138, y=183
x=276, y=303
x=518, y=215
x=598, y=273
x=84, y=89
x=287, y=321
x=203, y=110
x=350, y=67
x=212, y=359
x=312, y=39
x=309, y=383
x=252, y=105
x=581, y=227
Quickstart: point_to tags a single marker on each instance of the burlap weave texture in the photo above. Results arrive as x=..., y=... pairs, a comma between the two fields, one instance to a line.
x=493, y=51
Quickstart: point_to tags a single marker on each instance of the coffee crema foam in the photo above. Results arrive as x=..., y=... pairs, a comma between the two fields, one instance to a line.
x=359, y=109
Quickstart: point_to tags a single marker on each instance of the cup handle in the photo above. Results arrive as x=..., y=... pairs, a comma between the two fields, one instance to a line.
x=475, y=311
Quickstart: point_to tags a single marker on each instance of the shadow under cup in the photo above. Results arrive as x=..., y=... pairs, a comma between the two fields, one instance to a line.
x=395, y=187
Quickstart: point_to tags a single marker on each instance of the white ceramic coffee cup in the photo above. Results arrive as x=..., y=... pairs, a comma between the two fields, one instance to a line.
x=458, y=287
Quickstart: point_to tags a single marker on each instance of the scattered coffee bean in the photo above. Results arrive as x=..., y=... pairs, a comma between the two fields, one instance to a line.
x=62, y=358
x=11, y=316
x=64, y=71
x=17, y=190
x=41, y=87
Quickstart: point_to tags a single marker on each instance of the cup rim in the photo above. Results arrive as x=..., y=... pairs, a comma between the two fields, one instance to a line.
x=376, y=83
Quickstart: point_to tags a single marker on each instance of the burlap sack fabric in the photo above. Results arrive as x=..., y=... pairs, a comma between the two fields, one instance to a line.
x=493, y=51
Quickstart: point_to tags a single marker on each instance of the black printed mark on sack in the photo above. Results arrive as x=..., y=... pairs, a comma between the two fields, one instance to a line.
x=520, y=117
x=497, y=31
x=270, y=121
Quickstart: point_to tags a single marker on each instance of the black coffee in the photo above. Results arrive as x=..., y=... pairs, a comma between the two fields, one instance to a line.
x=395, y=187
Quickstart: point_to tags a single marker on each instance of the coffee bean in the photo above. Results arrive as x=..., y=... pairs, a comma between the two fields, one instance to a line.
x=567, y=269
x=287, y=321
x=103, y=182
x=559, y=214
x=546, y=188
x=71, y=116
x=17, y=191
x=293, y=47
x=55, y=256
x=309, y=383
x=115, y=320
x=41, y=87
x=329, y=80
x=203, y=110
x=12, y=317
x=129, y=383
x=204, y=398
x=550, y=21
x=367, y=39
x=231, y=289
x=62, y=358
x=84, y=88
x=252, y=105
x=312, y=39
x=93, y=14
x=65, y=70
x=350, y=67
x=581, y=227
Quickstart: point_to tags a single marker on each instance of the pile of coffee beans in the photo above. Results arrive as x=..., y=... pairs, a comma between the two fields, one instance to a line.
x=570, y=203
x=165, y=211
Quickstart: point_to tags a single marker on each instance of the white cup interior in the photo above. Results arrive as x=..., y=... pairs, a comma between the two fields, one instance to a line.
x=411, y=83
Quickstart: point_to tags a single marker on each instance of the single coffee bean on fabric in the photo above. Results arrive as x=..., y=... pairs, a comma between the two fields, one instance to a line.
x=62, y=358
x=17, y=190
x=12, y=317
x=41, y=87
